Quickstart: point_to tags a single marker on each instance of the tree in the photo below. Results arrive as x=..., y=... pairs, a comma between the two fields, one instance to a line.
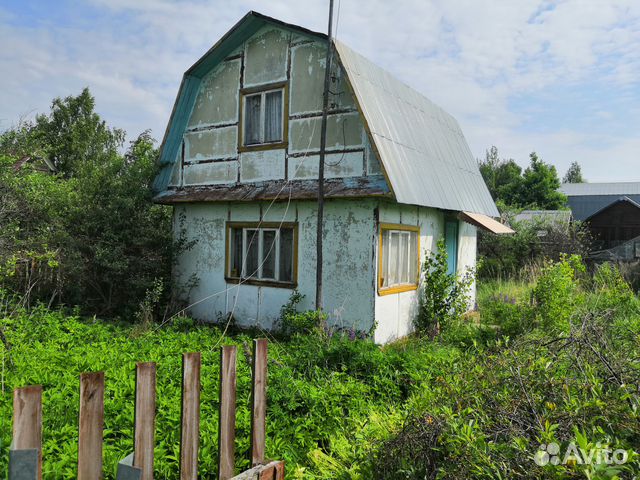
x=574, y=174
x=503, y=177
x=540, y=185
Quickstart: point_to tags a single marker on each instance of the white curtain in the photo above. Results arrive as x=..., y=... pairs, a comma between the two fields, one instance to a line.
x=273, y=116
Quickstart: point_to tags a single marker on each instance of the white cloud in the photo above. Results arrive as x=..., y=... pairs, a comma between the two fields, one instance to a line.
x=472, y=58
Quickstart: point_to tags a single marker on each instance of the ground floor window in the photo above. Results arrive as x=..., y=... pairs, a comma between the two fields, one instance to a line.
x=262, y=252
x=399, y=265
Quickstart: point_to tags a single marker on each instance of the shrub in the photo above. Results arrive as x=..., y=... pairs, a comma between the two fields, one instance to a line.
x=444, y=297
x=293, y=322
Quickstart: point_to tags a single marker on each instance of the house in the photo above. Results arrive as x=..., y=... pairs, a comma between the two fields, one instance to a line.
x=240, y=166
x=612, y=212
x=554, y=217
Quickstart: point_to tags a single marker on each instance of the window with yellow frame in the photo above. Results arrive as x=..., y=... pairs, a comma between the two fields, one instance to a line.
x=399, y=259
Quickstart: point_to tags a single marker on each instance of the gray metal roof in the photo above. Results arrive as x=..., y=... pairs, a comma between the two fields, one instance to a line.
x=556, y=216
x=422, y=148
x=613, y=188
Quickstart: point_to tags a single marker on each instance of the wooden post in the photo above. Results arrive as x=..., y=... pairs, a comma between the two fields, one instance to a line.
x=190, y=433
x=273, y=471
x=227, y=417
x=90, y=426
x=259, y=401
x=144, y=424
x=27, y=421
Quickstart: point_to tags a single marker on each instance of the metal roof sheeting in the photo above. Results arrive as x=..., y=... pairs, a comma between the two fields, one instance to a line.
x=556, y=216
x=613, y=188
x=422, y=148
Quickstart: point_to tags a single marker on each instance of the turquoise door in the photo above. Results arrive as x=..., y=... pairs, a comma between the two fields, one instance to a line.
x=451, y=243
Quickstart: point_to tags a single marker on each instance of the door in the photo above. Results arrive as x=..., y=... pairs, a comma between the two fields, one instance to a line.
x=451, y=243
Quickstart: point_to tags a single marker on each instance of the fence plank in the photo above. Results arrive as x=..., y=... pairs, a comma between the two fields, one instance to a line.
x=145, y=413
x=259, y=401
x=90, y=426
x=227, y=417
x=27, y=421
x=272, y=471
x=190, y=434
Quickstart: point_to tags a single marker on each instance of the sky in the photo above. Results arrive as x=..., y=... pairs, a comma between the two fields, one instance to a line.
x=560, y=78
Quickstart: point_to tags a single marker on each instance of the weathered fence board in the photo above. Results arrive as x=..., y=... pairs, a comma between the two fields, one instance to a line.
x=27, y=422
x=227, y=418
x=25, y=456
x=190, y=437
x=90, y=426
x=145, y=414
x=259, y=401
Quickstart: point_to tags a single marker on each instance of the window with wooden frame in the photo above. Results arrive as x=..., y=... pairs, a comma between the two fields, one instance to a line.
x=399, y=259
x=263, y=253
x=264, y=118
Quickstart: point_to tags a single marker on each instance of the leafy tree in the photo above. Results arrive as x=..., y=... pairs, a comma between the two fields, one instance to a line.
x=574, y=174
x=89, y=234
x=503, y=177
x=540, y=185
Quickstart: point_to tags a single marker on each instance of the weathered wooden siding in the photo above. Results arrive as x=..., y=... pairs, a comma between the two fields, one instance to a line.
x=210, y=153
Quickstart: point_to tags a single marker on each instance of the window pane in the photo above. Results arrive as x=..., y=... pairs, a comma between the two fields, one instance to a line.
x=273, y=116
x=252, y=125
x=394, y=246
x=413, y=258
x=403, y=258
x=236, y=252
x=251, y=249
x=385, y=258
x=286, y=255
x=269, y=254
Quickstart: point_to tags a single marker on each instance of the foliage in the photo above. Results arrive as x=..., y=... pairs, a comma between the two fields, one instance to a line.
x=89, y=234
x=534, y=241
x=293, y=322
x=510, y=187
x=574, y=174
x=444, y=297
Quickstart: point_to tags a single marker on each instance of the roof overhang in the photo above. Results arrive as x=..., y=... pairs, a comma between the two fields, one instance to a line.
x=485, y=222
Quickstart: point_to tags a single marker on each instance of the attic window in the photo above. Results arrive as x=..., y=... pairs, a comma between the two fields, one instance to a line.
x=263, y=118
x=262, y=253
x=399, y=261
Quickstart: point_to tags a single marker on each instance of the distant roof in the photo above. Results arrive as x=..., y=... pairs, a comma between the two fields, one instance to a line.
x=615, y=202
x=612, y=188
x=424, y=154
x=563, y=216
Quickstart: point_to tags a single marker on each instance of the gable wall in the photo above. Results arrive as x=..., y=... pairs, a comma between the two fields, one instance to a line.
x=210, y=153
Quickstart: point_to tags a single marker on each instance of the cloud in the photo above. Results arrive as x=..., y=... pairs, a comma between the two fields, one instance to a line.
x=561, y=77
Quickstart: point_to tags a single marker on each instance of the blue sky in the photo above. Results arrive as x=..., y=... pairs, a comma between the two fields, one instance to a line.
x=561, y=78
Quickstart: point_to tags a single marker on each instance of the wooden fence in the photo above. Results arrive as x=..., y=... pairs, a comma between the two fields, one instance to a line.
x=25, y=455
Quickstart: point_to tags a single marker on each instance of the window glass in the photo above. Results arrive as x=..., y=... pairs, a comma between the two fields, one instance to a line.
x=252, y=124
x=273, y=116
x=268, y=254
x=251, y=249
x=286, y=255
x=399, y=258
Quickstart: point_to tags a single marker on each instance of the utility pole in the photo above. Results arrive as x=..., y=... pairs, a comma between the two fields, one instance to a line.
x=323, y=144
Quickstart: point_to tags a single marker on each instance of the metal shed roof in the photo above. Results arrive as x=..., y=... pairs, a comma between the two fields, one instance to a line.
x=613, y=188
x=559, y=216
x=424, y=153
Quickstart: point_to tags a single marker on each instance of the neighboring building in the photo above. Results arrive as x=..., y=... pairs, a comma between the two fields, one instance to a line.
x=240, y=164
x=556, y=217
x=612, y=211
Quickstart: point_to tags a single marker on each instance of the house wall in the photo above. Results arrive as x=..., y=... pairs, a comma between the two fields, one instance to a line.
x=210, y=154
x=348, y=252
x=395, y=312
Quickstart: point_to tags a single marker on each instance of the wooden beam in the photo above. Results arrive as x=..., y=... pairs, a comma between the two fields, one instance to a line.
x=190, y=433
x=145, y=412
x=27, y=421
x=227, y=417
x=91, y=424
x=259, y=401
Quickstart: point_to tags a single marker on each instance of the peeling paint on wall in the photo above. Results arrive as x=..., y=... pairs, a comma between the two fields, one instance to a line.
x=262, y=165
x=211, y=173
x=217, y=100
x=348, y=164
x=343, y=130
x=211, y=144
x=266, y=57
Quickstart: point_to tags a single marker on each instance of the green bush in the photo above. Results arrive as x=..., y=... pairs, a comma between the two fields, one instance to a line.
x=444, y=297
x=293, y=322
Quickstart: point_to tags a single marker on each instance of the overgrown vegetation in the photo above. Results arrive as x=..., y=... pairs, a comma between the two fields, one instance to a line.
x=555, y=359
x=77, y=225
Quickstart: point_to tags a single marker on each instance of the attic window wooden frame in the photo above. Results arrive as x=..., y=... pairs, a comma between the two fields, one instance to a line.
x=234, y=277
x=264, y=89
x=403, y=287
